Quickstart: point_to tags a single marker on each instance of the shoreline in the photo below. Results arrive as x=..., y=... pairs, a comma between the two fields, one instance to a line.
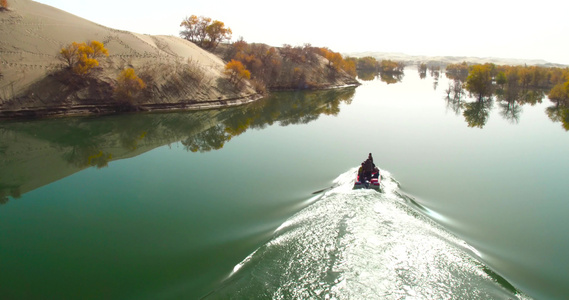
x=113, y=108
x=109, y=108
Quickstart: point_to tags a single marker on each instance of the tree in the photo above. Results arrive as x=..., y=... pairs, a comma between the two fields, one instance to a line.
x=3, y=5
x=501, y=79
x=82, y=57
x=236, y=71
x=367, y=63
x=217, y=33
x=204, y=32
x=389, y=66
x=195, y=29
x=560, y=93
x=128, y=85
x=479, y=81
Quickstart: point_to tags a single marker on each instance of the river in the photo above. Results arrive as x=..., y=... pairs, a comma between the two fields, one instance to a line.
x=255, y=202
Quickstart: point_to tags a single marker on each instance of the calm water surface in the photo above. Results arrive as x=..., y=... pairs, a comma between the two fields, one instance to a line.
x=221, y=204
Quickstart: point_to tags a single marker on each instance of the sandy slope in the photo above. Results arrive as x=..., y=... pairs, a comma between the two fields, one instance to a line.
x=32, y=34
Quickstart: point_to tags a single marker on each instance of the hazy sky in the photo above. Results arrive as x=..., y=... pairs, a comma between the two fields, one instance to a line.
x=482, y=28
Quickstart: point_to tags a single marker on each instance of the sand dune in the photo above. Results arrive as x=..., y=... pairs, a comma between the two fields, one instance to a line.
x=32, y=34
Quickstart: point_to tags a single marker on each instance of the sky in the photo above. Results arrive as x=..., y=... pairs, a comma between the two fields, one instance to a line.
x=481, y=28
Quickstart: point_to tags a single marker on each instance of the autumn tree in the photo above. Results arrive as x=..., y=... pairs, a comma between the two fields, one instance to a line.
x=479, y=81
x=389, y=66
x=367, y=63
x=217, y=33
x=82, y=57
x=3, y=5
x=236, y=71
x=337, y=62
x=128, y=85
x=525, y=77
x=560, y=93
x=457, y=71
x=204, y=32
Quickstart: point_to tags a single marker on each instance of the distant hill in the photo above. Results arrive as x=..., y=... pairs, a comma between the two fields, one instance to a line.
x=445, y=60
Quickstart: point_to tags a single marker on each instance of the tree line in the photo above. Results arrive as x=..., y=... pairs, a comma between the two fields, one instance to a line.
x=266, y=67
x=285, y=67
x=483, y=80
x=512, y=86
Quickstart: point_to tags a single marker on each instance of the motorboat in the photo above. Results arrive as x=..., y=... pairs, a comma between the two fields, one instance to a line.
x=368, y=183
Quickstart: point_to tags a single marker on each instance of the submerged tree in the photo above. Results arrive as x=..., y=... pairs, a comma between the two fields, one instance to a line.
x=479, y=81
x=560, y=93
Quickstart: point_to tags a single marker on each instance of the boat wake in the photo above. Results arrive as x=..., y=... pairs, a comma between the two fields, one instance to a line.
x=363, y=244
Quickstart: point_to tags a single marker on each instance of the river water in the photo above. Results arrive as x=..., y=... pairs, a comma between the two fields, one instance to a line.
x=255, y=202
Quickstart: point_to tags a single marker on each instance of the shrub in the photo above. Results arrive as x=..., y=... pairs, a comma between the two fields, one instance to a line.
x=128, y=85
x=3, y=5
x=236, y=71
x=81, y=58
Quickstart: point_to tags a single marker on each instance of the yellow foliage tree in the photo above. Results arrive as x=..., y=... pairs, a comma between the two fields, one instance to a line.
x=204, y=32
x=479, y=80
x=236, y=71
x=128, y=85
x=81, y=58
x=560, y=93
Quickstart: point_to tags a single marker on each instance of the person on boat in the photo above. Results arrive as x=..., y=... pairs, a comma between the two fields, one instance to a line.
x=375, y=172
x=368, y=168
x=361, y=172
x=370, y=158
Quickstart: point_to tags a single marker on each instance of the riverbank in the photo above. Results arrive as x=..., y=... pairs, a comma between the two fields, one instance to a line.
x=178, y=75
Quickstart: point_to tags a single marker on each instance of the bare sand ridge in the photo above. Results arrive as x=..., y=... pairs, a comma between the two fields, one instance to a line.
x=32, y=34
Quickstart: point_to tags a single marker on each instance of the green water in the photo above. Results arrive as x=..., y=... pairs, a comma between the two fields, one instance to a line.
x=164, y=206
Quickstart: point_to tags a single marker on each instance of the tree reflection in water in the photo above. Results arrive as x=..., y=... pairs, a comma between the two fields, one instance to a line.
x=476, y=113
x=286, y=108
x=73, y=144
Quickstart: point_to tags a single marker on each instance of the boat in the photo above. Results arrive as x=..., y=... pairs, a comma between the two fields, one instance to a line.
x=373, y=183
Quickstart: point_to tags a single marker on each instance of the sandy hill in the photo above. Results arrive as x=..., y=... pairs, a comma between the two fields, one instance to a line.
x=32, y=34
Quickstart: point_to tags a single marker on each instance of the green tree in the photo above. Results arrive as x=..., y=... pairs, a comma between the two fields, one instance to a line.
x=501, y=79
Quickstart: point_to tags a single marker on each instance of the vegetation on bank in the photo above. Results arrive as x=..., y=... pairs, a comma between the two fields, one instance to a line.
x=81, y=59
x=89, y=78
x=286, y=67
x=266, y=67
